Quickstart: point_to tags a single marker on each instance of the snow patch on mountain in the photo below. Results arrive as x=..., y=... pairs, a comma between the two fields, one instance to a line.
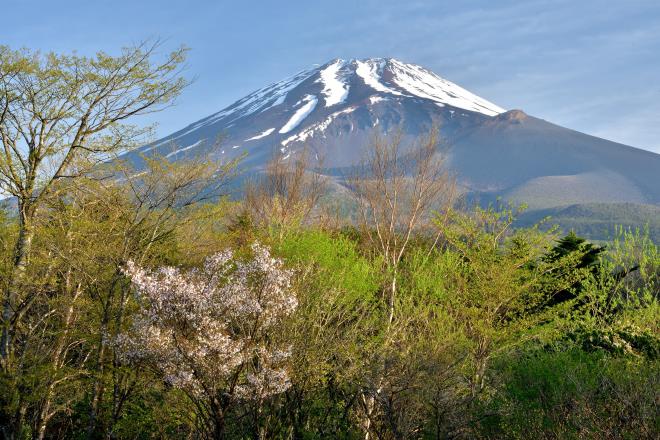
x=335, y=90
x=260, y=100
x=261, y=135
x=301, y=113
x=420, y=82
x=370, y=72
x=315, y=128
x=375, y=98
x=181, y=150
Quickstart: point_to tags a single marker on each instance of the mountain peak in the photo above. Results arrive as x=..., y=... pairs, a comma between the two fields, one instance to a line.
x=339, y=85
x=394, y=77
x=377, y=93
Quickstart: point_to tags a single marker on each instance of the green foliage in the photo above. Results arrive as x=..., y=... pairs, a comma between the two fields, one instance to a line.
x=616, y=341
x=481, y=346
x=574, y=394
x=336, y=261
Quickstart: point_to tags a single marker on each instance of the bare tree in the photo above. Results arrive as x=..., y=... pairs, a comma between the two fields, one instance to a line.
x=287, y=192
x=60, y=115
x=396, y=189
x=395, y=192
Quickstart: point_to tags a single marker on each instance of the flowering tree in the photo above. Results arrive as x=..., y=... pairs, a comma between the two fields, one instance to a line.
x=208, y=330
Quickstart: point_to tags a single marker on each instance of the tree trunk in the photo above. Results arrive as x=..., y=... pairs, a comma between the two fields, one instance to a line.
x=45, y=413
x=369, y=403
x=18, y=419
x=481, y=363
x=97, y=392
x=9, y=309
x=44, y=416
x=390, y=301
x=10, y=302
x=219, y=425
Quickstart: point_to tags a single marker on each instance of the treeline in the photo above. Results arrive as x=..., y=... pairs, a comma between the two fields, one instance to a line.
x=144, y=304
x=599, y=221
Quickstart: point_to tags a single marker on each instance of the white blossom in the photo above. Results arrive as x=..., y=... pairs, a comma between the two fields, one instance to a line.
x=208, y=328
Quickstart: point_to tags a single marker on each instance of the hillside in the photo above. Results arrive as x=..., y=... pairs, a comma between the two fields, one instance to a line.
x=598, y=221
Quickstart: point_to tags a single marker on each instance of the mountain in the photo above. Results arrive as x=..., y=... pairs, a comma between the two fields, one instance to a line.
x=336, y=108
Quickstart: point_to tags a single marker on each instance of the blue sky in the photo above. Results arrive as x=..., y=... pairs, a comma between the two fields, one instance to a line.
x=591, y=65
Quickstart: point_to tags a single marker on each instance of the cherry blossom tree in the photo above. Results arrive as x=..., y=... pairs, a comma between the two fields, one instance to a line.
x=210, y=330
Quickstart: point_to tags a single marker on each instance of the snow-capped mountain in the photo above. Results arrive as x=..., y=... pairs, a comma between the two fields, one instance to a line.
x=342, y=97
x=335, y=109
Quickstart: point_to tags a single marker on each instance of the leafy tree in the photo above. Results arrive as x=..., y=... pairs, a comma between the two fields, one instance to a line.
x=60, y=115
x=588, y=260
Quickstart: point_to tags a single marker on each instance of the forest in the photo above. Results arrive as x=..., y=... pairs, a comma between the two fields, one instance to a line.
x=151, y=301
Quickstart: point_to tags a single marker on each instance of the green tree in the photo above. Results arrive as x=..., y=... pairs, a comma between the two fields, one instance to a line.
x=59, y=116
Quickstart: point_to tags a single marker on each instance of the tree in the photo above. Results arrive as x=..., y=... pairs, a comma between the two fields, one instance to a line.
x=395, y=192
x=81, y=299
x=286, y=194
x=396, y=189
x=210, y=332
x=588, y=260
x=60, y=115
